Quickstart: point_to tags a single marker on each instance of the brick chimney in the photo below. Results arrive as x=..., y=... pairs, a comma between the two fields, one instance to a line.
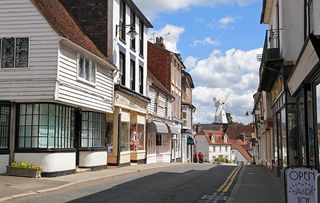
x=92, y=16
x=160, y=42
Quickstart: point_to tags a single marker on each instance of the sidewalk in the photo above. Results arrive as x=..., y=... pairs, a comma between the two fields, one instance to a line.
x=257, y=184
x=14, y=187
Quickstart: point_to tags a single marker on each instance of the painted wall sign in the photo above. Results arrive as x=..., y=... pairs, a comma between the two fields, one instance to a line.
x=300, y=185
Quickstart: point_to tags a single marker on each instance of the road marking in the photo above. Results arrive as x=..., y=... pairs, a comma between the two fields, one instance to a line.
x=227, y=180
x=232, y=180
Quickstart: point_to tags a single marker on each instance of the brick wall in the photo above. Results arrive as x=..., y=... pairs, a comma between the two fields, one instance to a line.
x=92, y=16
x=159, y=64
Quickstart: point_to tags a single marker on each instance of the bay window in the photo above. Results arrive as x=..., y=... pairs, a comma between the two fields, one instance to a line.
x=93, y=132
x=4, y=126
x=46, y=126
x=14, y=52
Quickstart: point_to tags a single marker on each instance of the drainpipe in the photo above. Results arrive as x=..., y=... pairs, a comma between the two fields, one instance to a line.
x=119, y=134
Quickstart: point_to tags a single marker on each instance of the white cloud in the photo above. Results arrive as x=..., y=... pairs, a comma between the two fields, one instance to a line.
x=171, y=35
x=235, y=69
x=190, y=62
x=152, y=8
x=226, y=22
x=205, y=41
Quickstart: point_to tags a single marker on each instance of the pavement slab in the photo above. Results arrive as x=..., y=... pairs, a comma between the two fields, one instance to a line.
x=257, y=184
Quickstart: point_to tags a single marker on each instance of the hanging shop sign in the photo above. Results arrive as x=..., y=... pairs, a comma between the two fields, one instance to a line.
x=300, y=185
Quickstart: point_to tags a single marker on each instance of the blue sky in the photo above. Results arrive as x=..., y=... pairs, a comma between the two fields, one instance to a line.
x=219, y=41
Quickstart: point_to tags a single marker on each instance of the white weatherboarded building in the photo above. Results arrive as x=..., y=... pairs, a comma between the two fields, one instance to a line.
x=56, y=89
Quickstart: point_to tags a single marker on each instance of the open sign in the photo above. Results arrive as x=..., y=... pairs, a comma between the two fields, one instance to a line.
x=301, y=185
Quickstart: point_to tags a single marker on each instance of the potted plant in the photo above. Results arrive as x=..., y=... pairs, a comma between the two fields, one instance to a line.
x=24, y=170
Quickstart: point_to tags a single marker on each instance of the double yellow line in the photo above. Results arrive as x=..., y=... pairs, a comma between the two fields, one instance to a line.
x=226, y=185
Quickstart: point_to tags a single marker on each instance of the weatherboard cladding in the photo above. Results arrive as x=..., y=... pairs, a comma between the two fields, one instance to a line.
x=19, y=18
x=96, y=97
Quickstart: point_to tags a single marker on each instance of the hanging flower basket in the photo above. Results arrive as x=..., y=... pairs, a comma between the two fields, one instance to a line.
x=24, y=170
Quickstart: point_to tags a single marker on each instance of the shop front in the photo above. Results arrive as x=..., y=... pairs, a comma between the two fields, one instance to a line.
x=159, y=142
x=304, y=85
x=176, y=142
x=126, y=144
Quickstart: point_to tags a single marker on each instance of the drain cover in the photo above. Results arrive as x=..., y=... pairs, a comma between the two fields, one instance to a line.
x=214, y=197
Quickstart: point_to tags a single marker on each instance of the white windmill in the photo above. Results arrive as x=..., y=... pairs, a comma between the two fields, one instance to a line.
x=220, y=116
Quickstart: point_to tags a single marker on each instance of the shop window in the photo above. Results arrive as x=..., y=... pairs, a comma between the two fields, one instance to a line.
x=14, y=52
x=310, y=131
x=317, y=97
x=140, y=137
x=301, y=129
x=47, y=126
x=124, y=139
x=275, y=141
x=93, y=130
x=293, y=136
x=4, y=126
x=158, y=139
x=137, y=137
x=284, y=137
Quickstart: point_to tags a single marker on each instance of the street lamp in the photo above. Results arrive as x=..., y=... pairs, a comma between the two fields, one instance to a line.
x=132, y=32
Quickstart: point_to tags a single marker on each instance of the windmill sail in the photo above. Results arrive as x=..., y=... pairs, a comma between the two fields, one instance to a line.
x=220, y=114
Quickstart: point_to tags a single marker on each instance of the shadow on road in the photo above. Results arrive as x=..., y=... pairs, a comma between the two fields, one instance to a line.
x=164, y=187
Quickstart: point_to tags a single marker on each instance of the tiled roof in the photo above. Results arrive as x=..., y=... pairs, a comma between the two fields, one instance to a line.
x=65, y=25
x=234, y=131
x=239, y=148
x=218, y=137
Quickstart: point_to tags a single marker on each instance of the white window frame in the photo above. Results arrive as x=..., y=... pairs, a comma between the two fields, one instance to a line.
x=14, y=54
x=91, y=62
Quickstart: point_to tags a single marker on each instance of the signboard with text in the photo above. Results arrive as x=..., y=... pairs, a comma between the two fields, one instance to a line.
x=301, y=185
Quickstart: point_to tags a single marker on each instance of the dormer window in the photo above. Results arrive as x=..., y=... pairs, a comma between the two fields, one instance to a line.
x=213, y=139
x=225, y=138
x=86, y=69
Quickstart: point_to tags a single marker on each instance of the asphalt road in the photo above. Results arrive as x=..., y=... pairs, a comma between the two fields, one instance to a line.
x=187, y=183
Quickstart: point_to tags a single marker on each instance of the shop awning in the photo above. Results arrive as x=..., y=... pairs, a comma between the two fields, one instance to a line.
x=173, y=129
x=159, y=127
x=306, y=64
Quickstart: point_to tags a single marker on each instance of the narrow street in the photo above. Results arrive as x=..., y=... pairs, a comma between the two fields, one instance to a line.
x=186, y=183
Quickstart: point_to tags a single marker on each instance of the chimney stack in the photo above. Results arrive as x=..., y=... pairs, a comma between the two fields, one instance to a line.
x=160, y=42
